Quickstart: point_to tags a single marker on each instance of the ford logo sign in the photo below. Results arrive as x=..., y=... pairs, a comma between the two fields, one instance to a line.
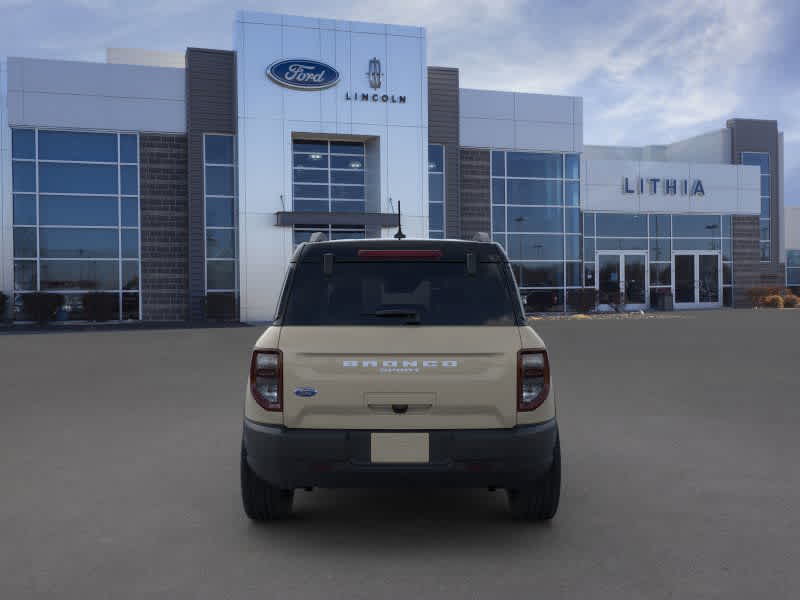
x=303, y=74
x=305, y=392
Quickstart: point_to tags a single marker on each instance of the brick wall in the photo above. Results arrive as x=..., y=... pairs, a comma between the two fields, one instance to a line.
x=475, y=197
x=165, y=227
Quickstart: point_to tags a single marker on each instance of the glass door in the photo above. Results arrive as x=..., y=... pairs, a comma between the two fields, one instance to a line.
x=697, y=280
x=622, y=280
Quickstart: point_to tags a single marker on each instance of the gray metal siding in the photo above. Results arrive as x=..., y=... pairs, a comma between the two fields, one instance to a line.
x=210, y=108
x=443, y=128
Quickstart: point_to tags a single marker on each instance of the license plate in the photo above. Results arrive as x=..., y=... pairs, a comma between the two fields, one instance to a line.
x=399, y=448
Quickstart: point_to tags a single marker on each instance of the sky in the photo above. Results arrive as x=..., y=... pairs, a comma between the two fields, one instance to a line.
x=649, y=72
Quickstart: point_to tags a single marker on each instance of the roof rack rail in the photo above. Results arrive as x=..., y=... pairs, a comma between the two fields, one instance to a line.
x=318, y=236
x=481, y=236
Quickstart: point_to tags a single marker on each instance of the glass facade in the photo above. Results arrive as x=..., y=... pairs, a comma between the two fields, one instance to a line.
x=302, y=233
x=76, y=218
x=660, y=235
x=328, y=176
x=761, y=160
x=436, y=191
x=536, y=217
x=221, y=223
x=793, y=268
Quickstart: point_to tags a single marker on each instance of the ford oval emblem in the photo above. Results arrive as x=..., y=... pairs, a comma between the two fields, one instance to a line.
x=305, y=392
x=303, y=74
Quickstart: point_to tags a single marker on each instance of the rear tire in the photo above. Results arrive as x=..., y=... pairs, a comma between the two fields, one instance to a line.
x=538, y=501
x=262, y=501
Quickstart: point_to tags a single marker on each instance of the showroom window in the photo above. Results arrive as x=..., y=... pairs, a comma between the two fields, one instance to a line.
x=761, y=160
x=659, y=235
x=536, y=218
x=793, y=269
x=222, y=277
x=436, y=191
x=76, y=219
x=328, y=176
x=302, y=233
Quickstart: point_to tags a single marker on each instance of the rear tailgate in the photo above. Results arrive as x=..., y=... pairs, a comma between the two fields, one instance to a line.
x=357, y=377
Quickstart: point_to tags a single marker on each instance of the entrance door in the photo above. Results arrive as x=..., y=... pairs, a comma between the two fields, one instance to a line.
x=697, y=279
x=622, y=280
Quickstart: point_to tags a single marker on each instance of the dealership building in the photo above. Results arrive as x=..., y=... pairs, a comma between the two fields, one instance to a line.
x=181, y=183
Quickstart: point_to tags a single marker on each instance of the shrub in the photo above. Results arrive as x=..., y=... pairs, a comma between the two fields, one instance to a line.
x=790, y=301
x=3, y=306
x=41, y=306
x=773, y=301
x=99, y=306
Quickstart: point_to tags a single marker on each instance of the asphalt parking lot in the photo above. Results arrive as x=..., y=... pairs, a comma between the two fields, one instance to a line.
x=119, y=470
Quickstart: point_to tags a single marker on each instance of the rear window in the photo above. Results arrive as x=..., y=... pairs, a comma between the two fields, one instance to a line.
x=399, y=293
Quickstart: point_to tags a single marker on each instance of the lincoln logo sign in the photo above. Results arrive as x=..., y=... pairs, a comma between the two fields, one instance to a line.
x=302, y=74
x=670, y=187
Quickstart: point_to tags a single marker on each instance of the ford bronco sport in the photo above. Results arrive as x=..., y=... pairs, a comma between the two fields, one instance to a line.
x=400, y=363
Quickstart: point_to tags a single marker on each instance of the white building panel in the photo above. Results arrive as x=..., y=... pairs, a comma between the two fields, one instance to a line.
x=55, y=93
x=487, y=133
x=485, y=104
x=791, y=227
x=270, y=115
x=544, y=136
x=541, y=107
x=6, y=205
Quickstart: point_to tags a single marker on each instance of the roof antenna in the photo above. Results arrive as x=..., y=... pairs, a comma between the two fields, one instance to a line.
x=399, y=235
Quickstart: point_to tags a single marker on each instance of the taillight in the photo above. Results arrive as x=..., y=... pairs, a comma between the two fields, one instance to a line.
x=533, y=379
x=266, y=379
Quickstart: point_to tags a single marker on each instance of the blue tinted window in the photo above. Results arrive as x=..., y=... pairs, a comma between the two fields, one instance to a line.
x=572, y=190
x=24, y=275
x=311, y=205
x=498, y=163
x=320, y=161
x=660, y=226
x=130, y=243
x=347, y=235
x=498, y=218
x=727, y=249
x=24, y=209
x=660, y=249
x=435, y=158
x=129, y=180
x=588, y=249
x=23, y=143
x=765, y=208
x=310, y=191
x=573, y=166
x=541, y=220
x=621, y=244
x=766, y=251
x=522, y=191
x=310, y=146
x=347, y=148
x=347, y=192
x=793, y=258
x=759, y=159
x=535, y=247
x=572, y=247
x=696, y=225
x=25, y=242
x=130, y=275
x=219, y=212
x=727, y=226
x=219, y=149
x=529, y=164
x=128, y=149
x=793, y=277
x=220, y=243
x=221, y=274
x=77, y=210
x=573, y=276
x=627, y=225
x=80, y=275
x=130, y=306
x=588, y=224
x=544, y=274
x=80, y=146
x=342, y=162
x=219, y=181
x=763, y=228
x=312, y=175
x=348, y=206
x=23, y=176
x=354, y=177
x=436, y=216
x=695, y=244
x=130, y=212
x=77, y=179
x=78, y=243
x=436, y=188
x=765, y=185
x=498, y=191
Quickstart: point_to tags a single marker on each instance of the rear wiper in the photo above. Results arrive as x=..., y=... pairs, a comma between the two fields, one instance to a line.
x=397, y=312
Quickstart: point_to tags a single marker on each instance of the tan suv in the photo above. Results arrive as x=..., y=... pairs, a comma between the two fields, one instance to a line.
x=400, y=363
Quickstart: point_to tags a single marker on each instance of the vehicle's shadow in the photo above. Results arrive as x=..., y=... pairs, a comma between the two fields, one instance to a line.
x=401, y=518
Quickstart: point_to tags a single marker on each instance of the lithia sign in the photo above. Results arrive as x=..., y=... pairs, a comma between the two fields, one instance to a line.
x=669, y=187
x=306, y=74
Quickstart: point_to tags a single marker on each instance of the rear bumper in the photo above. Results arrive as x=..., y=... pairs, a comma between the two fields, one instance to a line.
x=292, y=458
